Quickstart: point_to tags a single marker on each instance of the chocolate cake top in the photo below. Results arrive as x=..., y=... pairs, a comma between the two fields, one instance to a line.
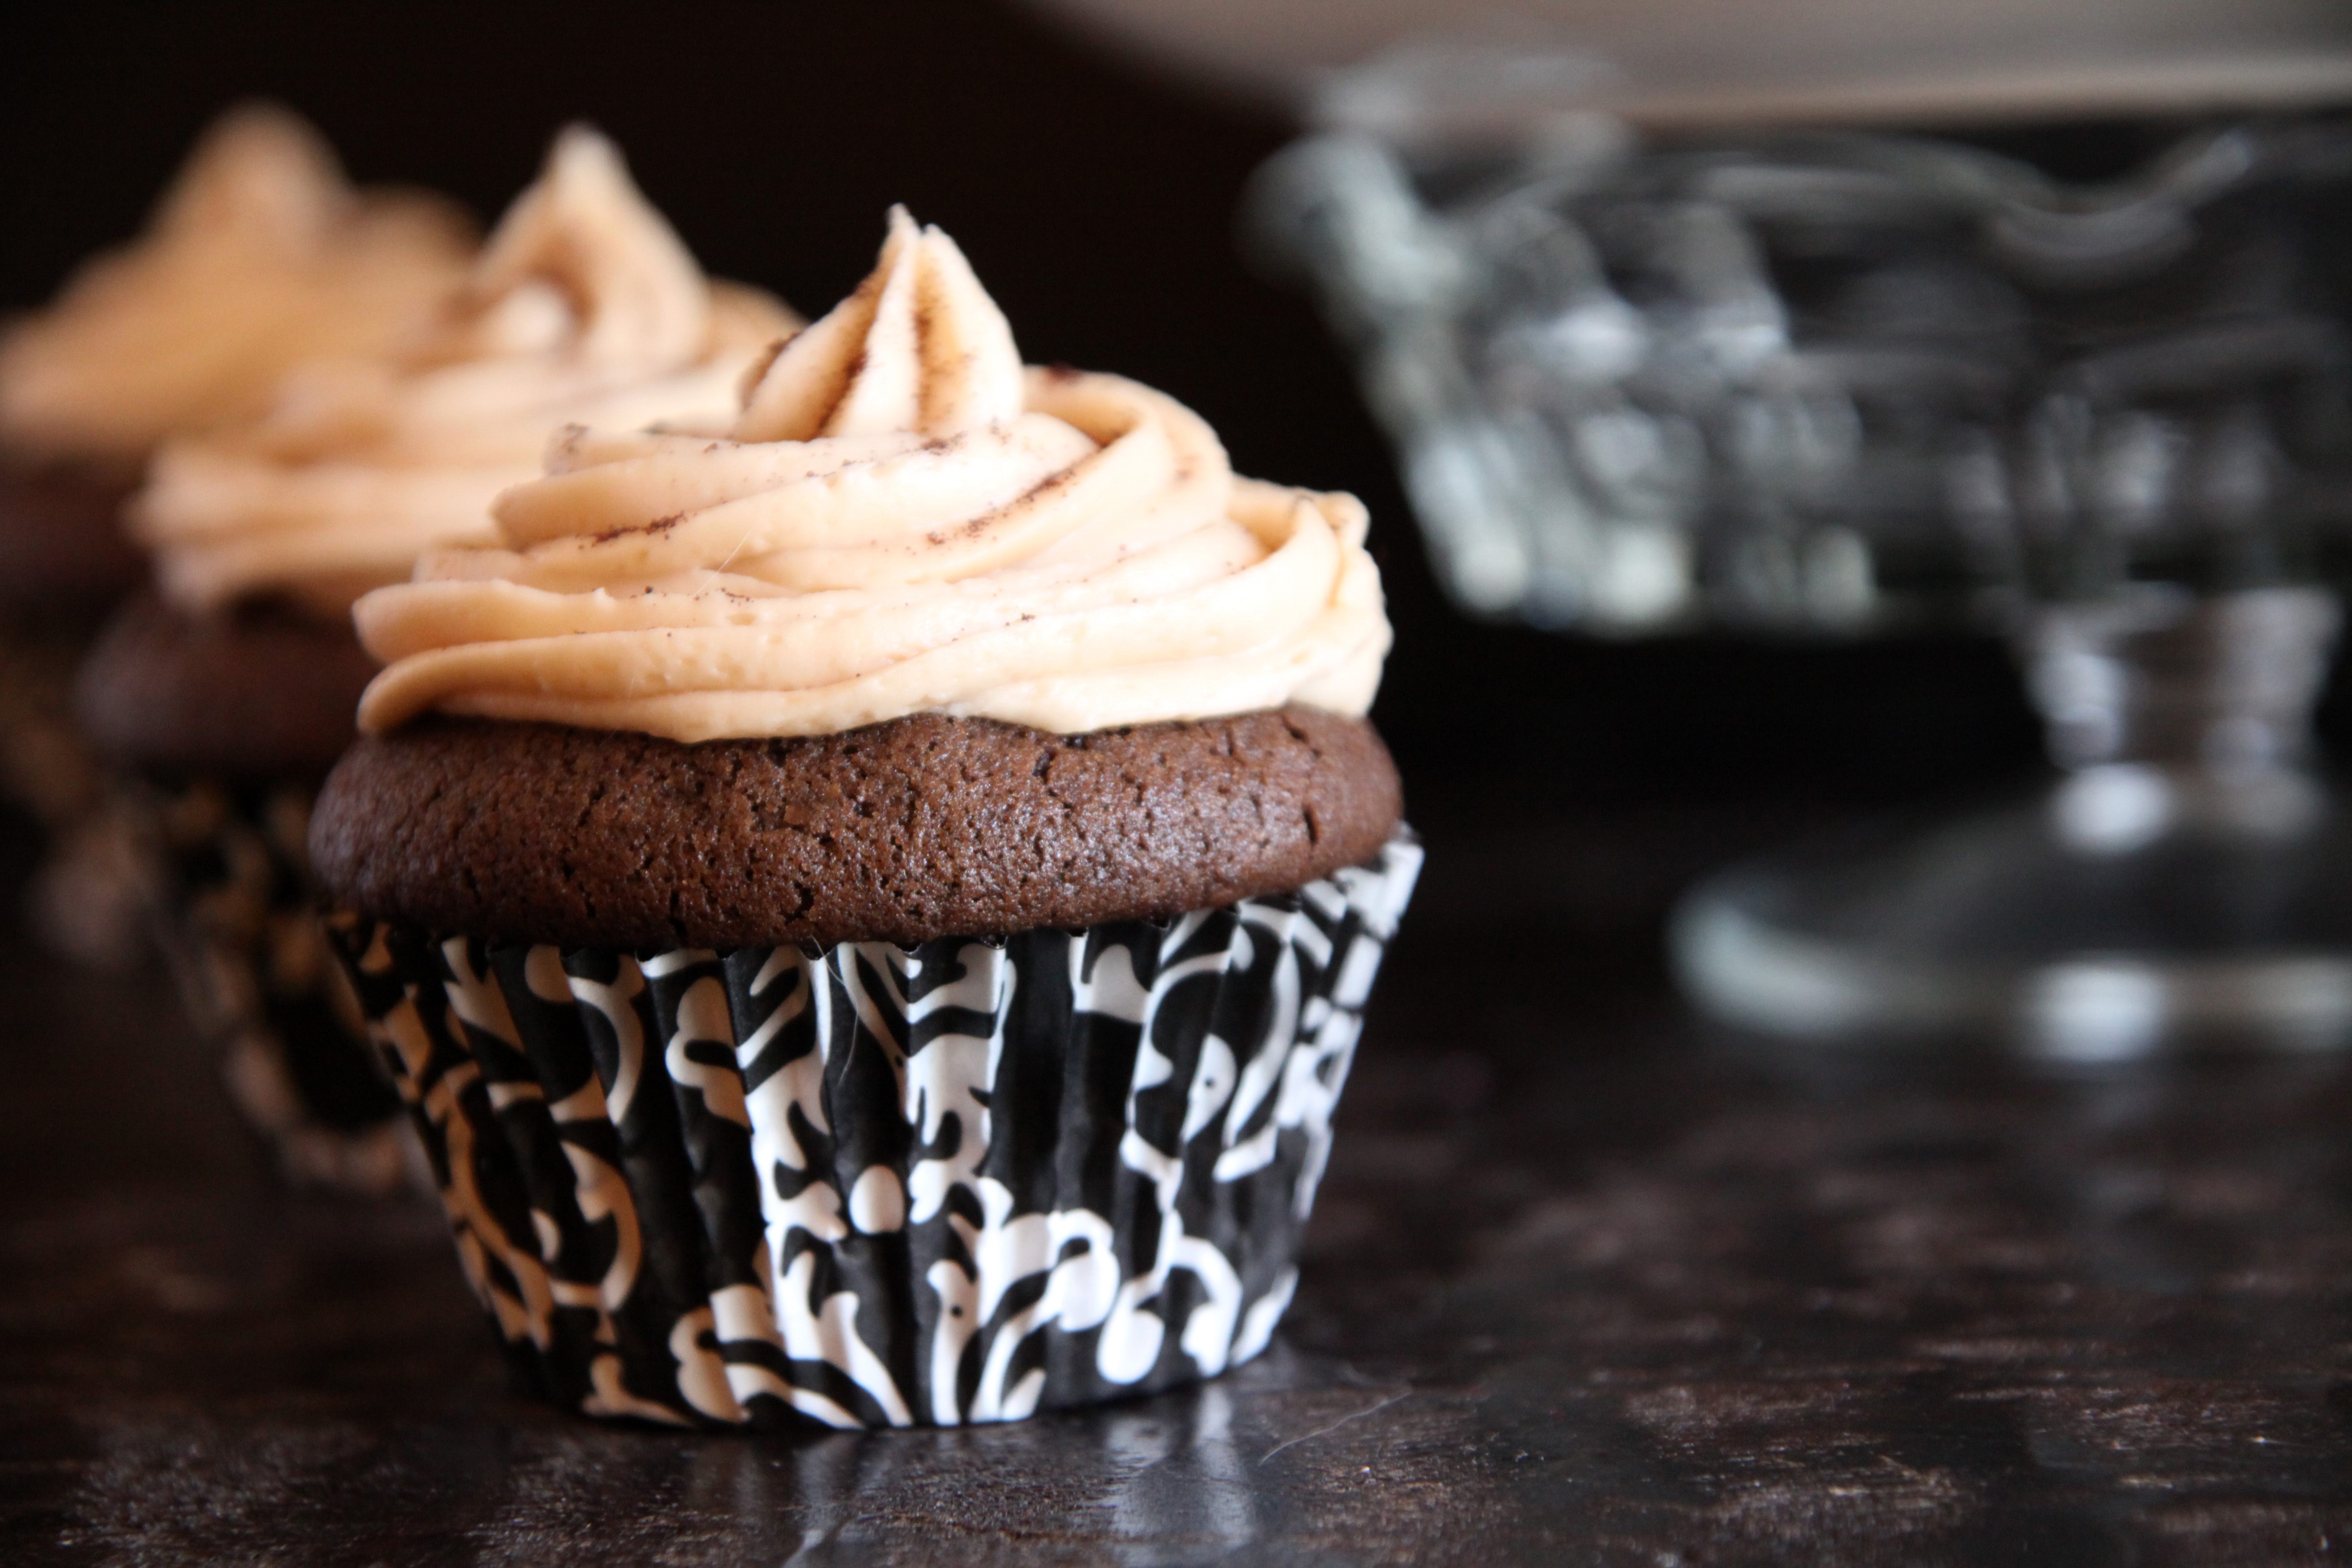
x=921, y=826
x=261, y=692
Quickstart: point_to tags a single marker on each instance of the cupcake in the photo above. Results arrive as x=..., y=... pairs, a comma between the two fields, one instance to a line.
x=259, y=258
x=871, y=910
x=226, y=693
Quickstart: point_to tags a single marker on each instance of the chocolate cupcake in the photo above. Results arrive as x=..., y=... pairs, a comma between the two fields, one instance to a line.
x=871, y=912
x=259, y=258
x=223, y=696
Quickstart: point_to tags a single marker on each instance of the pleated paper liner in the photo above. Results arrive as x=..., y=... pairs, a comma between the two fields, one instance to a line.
x=84, y=900
x=237, y=917
x=875, y=1186
x=64, y=562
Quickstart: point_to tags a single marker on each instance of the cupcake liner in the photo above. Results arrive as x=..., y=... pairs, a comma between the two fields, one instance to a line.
x=82, y=903
x=64, y=559
x=47, y=772
x=227, y=873
x=872, y=1186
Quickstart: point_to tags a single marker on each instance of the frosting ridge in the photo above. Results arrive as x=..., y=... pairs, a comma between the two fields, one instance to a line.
x=584, y=304
x=902, y=519
x=258, y=257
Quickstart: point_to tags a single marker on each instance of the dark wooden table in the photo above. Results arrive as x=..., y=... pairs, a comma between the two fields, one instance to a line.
x=1588, y=1284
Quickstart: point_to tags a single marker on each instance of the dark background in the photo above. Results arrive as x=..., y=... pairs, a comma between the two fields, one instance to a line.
x=1652, y=1299
x=1096, y=200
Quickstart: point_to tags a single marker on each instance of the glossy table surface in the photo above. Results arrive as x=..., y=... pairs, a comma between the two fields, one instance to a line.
x=1588, y=1284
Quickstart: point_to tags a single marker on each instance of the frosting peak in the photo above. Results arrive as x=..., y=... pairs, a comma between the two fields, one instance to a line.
x=259, y=257
x=584, y=305
x=582, y=264
x=258, y=170
x=919, y=347
x=903, y=520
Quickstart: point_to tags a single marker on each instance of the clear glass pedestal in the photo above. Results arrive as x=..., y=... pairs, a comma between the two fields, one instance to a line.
x=2186, y=884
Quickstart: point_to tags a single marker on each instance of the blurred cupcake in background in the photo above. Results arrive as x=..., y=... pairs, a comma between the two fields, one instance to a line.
x=223, y=695
x=259, y=257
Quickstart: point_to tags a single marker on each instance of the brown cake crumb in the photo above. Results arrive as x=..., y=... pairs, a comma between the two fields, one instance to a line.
x=63, y=549
x=260, y=692
x=922, y=827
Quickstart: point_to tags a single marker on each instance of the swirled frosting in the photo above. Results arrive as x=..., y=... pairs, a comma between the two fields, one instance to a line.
x=259, y=258
x=903, y=520
x=584, y=305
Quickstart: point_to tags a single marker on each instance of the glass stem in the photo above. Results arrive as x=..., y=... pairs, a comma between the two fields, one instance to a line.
x=2219, y=685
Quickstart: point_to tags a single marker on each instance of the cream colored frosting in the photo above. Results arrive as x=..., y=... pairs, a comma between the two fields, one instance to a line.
x=584, y=306
x=259, y=257
x=903, y=520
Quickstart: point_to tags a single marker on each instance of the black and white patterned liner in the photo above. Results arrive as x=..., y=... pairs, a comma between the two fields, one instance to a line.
x=227, y=868
x=85, y=901
x=877, y=1185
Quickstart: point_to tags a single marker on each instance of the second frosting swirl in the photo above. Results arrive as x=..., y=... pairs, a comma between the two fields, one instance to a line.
x=904, y=519
x=583, y=305
x=259, y=257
